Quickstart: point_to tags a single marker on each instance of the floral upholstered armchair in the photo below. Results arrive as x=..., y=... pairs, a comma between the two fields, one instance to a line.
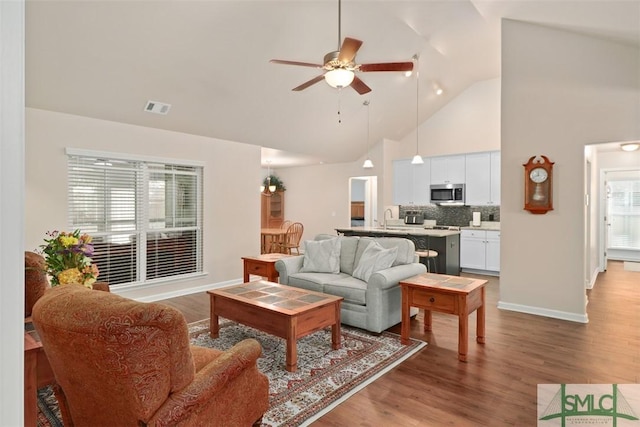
x=119, y=362
x=35, y=280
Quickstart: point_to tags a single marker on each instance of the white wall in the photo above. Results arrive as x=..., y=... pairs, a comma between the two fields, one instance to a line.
x=469, y=123
x=560, y=91
x=231, y=186
x=11, y=215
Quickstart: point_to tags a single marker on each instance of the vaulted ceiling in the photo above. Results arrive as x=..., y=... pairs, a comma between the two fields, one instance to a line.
x=210, y=61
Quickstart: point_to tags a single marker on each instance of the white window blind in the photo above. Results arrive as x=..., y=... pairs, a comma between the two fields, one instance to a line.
x=145, y=217
x=624, y=212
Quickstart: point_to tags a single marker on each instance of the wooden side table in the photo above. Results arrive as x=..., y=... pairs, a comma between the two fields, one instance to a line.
x=460, y=296
x=37, y=374
x=263, y=265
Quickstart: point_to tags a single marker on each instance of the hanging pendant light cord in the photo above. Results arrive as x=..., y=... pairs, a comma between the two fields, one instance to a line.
x=367, y=103
x=339, y=104
x=417, y=102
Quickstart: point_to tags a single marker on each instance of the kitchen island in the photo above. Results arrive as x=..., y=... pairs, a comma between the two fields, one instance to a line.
x=445, y=242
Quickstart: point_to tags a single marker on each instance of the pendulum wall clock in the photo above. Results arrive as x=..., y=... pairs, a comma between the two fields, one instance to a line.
x=538, y=185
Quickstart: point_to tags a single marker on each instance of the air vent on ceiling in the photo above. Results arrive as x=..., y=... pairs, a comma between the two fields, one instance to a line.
x=157, y=107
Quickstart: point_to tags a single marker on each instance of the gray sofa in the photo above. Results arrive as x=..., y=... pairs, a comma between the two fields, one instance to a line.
x=373, y=304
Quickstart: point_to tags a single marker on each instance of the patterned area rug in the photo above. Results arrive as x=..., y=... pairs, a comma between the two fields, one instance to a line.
x=324, y=377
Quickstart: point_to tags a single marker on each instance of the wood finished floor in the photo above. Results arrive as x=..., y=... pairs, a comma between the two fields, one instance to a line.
x=498, y=384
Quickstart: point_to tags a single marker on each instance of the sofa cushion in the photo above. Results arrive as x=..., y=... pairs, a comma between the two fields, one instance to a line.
x=351, y=289
x=348, y=247
x=406, y=249
x=321, y=256
x=314, y=281
x=374, y=258
x=363, y=243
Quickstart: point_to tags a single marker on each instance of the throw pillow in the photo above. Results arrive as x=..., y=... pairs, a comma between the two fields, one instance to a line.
x=374, y=258
x=321, y=256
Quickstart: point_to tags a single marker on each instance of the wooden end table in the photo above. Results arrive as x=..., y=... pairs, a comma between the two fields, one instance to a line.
x=263, y=265
x=279, y=310
x=37, y=374
x=445, y=294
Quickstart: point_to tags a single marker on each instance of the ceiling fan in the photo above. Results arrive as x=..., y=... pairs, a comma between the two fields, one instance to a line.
x=340, y=66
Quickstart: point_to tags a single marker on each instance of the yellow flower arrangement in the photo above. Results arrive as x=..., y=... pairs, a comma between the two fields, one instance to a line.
x=68, y=258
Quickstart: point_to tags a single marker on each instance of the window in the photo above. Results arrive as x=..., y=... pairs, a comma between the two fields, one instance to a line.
x=145, y=216
x=624, y=214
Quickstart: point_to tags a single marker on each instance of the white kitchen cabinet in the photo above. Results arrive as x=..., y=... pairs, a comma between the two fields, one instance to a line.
x=480, y=250
x=482, y=179
x=493, y=251
x=448, y=169
x=411, y=182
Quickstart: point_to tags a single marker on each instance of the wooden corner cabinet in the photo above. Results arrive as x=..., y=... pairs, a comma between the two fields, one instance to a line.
x=272, y=210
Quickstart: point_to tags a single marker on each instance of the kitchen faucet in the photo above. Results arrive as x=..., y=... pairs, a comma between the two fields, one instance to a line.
x=384, y=217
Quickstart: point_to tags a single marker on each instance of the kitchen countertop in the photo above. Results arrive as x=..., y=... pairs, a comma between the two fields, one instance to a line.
x=484, y=225
x=399, y=229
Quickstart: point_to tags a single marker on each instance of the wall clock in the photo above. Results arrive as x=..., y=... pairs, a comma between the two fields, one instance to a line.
x=538, y=185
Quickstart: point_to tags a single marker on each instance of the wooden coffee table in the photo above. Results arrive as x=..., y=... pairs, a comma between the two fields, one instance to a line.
x=445, y=294
x=279, y=310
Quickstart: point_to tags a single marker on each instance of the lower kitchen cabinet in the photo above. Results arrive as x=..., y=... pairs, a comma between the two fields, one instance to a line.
x=480, y=250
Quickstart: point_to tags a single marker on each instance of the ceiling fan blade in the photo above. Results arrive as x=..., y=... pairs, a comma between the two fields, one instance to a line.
x=302, y=64
x=360, y=86
x=309, y=83
x=349, y=49
x=387, y=66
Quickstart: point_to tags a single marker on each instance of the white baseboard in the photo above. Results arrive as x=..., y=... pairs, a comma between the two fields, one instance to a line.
x=593, y=278
x=483, y=272
x=538, y=311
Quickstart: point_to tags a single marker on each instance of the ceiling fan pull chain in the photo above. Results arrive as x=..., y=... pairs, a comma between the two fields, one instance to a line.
x=339, y=104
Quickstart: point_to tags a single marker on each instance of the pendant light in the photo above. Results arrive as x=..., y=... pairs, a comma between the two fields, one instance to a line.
x=269, y=188
x=368, y=164
x=417, y=159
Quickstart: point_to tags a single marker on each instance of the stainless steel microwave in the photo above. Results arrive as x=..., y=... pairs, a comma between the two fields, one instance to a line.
x=448, y=194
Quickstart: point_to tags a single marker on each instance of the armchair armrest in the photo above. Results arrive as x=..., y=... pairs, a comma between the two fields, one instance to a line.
x=390, y=277
x=288, y=266
x=208, y=382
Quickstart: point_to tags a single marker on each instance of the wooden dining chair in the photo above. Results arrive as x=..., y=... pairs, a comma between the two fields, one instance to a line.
x=276, y=241
x=285, y=224
x=292, y=238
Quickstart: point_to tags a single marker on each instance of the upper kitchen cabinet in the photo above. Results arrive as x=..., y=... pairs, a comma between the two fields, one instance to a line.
x=411, y=182
x=483, y=179
x=448, y=169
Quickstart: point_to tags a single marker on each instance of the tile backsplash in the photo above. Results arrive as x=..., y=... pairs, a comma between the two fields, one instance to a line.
x=453, y=215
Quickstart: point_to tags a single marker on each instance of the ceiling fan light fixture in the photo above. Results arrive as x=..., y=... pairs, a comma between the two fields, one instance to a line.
x=339, y=77
x=631, y=146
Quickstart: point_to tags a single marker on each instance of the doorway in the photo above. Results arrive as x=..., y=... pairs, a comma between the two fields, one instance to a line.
x=363, y=201
x=606, y=163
